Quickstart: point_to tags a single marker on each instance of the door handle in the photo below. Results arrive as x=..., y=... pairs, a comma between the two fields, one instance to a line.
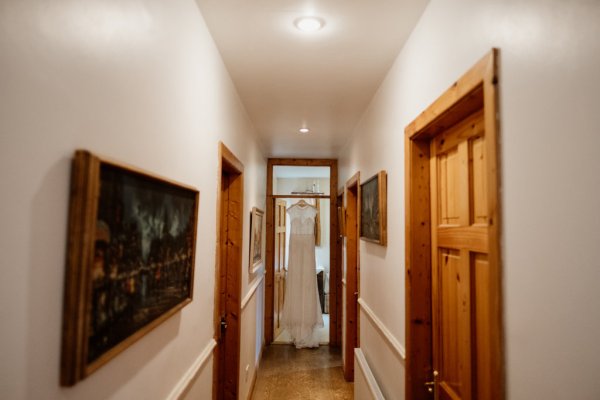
x=432, y=385
x=223, y=324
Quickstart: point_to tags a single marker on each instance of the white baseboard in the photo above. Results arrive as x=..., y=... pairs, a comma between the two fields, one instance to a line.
x=369, y=379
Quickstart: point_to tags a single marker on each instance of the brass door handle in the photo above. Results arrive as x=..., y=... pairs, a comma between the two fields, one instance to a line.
x=431, y=386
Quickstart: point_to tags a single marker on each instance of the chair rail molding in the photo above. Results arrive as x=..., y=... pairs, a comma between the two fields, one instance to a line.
x=188, y=378
x=387, y=334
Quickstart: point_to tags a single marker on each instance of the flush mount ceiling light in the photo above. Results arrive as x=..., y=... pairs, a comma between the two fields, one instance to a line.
x=309, y=24
x=303, y=130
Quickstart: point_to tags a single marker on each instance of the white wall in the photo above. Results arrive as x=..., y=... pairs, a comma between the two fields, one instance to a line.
x=140, y=81
x=550, y=58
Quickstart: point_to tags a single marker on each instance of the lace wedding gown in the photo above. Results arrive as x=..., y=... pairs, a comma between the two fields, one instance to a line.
x=301, y=309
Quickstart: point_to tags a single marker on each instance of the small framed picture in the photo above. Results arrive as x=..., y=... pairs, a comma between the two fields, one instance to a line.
x=256, y=234
x=373, y=209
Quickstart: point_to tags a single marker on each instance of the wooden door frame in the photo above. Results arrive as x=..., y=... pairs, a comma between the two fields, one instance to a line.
x=476, y=89
x=338, y=251
x=352, y=279
x=277, y=251
x=228, y=164
x=334, y=266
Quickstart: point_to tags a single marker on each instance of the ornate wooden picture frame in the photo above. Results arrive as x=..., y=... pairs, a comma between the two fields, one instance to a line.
x=373, y=209
x=256, y=234
x=130, y=260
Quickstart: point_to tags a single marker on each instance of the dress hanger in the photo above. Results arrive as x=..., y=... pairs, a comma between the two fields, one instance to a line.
x=303, y=203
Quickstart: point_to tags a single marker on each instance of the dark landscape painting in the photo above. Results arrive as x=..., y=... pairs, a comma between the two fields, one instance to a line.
x=143, y=255
x=369, y=212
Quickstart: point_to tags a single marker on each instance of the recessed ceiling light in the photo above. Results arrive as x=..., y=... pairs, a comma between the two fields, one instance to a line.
x=303, y=130
x=309, y=24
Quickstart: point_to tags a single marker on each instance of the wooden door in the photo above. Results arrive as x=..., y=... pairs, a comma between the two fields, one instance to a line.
x=352, y=274
x=279, y=264
x=454, y=330
x=460, y=270
x=228, y=287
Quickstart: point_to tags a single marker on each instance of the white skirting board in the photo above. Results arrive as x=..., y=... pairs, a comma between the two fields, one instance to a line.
x=365, y=385
x=188, y=379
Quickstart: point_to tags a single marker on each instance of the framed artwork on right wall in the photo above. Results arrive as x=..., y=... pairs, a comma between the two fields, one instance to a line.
x=373, y=209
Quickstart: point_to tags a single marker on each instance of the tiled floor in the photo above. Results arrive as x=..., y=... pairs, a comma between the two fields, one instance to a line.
x=289, y=373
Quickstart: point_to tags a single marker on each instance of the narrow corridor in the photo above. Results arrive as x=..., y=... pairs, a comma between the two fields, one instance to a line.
x=289, y=373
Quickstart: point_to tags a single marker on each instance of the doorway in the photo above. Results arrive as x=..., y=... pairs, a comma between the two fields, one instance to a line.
x=230, y=200
x=322, y=195
x=352, y=280
x=453, y=268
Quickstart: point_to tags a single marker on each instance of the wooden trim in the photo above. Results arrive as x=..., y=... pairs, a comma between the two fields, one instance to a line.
x=337, y=283
x=300, y=196
x=304, y=162
x=456, y=95
x=352, y=274
x=352, y=181
x=270, y=257
x=270, y=245
x=228, y=161
x=465, y=96
x=230, y=165
x=335, y=267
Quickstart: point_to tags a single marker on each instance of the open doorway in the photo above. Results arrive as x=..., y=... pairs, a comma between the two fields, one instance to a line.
x=291, y=182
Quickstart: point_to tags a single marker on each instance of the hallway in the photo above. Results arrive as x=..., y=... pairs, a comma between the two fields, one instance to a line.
x=289, y=373
x=158, y=89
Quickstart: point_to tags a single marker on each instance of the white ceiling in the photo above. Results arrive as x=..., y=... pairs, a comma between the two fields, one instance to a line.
x=323, y=80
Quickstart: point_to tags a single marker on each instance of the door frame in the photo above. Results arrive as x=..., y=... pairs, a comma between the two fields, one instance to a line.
x=228, y=164
x=352, y=321
x=476, y=89
x=339, y=254
x=334, y=265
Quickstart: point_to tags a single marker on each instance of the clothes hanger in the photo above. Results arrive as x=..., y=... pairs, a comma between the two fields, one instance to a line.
x=303, y=203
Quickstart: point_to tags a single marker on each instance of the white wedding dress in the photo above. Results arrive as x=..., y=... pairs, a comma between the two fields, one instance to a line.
x=301, y=309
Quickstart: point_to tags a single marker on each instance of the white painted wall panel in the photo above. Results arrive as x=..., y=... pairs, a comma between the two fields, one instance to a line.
x=550, y=55
x=139, y=81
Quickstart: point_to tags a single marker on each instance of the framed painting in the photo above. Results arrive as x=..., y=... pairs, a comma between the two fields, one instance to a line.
x=256, y=234
x=373, y=209
x=130, y=259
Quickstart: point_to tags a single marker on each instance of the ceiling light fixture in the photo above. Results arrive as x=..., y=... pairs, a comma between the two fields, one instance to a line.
x=309, y=24
x=303, y=130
